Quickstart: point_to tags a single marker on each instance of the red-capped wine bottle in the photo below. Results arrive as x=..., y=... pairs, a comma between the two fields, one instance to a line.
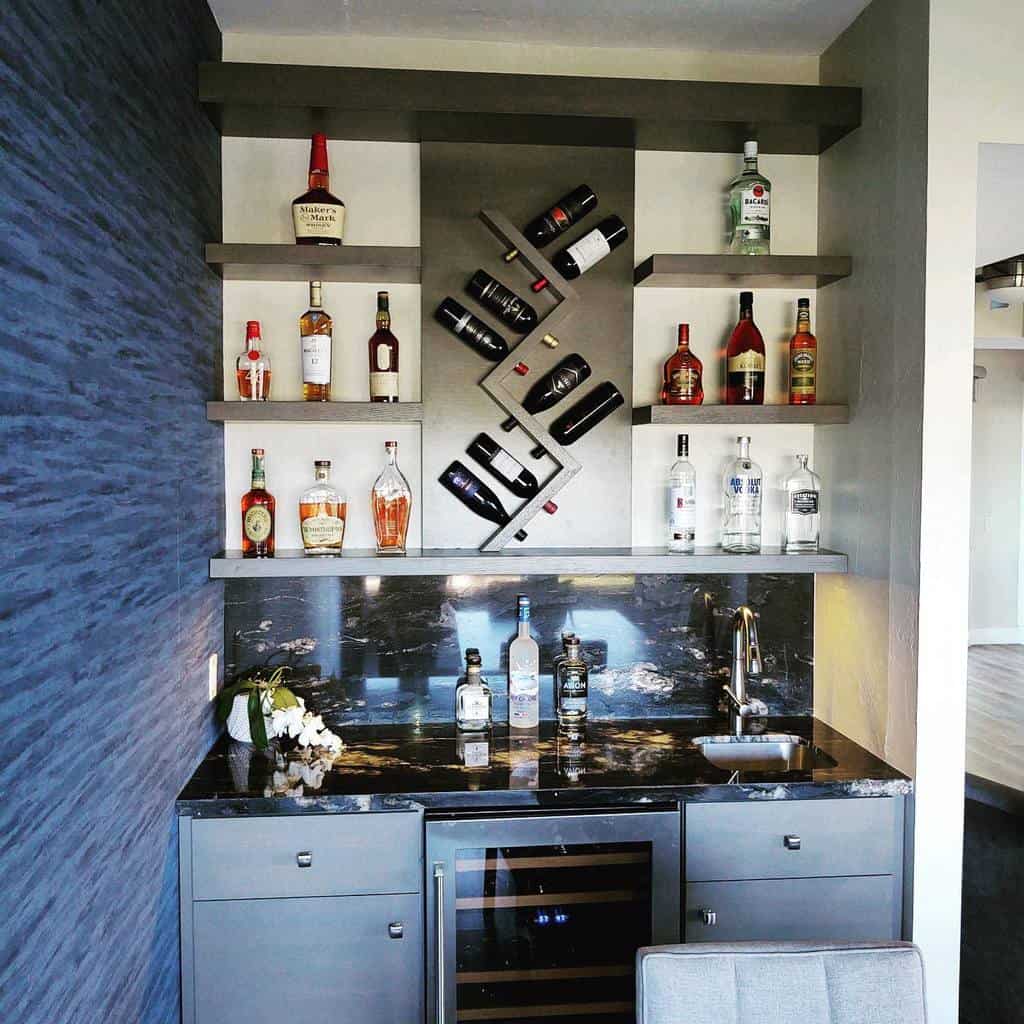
x=510, y=471
x=568, y=375
x=587, y=251
x=511, y=310
x=569, y=210
x=590, y=410
x=473, y=331
x=475, y=495
x=744, y=358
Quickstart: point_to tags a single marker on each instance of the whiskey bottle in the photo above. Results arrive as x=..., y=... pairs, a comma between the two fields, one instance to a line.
x=803, y=509
x=590, y=410
x=252, y=368
x=586, y=252
x=523, y=672
x=744, y=359
x=258, y=512
x=474, y=332
x=318, y=216
x=568, y=375
x=316, y=331
x=475, y=495
x=391, y=503
x=510, y=471
x=683, y=376
x=572, y=686
x=803, y=358
x=322, y=512
x=750, y=195
x=383, y=351
x=473, y=699
x=741, y=525
x=682, y=500
x=511, y=310
x=569, y=210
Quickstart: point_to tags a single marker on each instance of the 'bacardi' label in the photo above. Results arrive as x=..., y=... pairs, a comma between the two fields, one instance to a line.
x=755, y=206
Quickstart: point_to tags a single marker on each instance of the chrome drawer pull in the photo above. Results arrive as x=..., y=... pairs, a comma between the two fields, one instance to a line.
x=304, y=859
x=396, y=929
x=791, y=842
x=708, y=916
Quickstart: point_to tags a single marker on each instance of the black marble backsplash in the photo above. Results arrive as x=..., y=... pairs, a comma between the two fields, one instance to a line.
x=369, y=650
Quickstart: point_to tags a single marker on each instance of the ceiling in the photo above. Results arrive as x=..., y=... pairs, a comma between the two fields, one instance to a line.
x=796, y=27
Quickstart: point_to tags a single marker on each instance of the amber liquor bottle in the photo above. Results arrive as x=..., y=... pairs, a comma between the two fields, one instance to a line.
x=383, y=356
x=318, y=216
x=252, y=368
x=316, y=329
x=258, y=512
x=683, y=377
x=744, y=359
x=803, y=358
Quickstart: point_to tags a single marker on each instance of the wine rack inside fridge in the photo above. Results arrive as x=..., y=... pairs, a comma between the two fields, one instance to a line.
x=541, y=916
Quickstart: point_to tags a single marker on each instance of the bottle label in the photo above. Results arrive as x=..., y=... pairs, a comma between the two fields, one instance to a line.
x=803, y=503
x=316, y=359
x=682, y=512
x=476, y=753
x=258, y=523
x=683, y=382
x=474, y=704
x=746, y=362
x=318, y=220
x=323, y=531
x=523, y=687
x=802, y=372
x=560, y=218
x=590, y=249
x=382, y=356
x=504, y=465
x=465, y=483
x=384, y=384
x=572, y=691
x=755, y=206
x=743, y=496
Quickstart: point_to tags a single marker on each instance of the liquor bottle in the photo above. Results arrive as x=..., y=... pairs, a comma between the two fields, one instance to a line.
x=588, y=251
x=741, y=526
x=590, y=410
x=523, y=672
x=322, y=513
x=252, y=368
x=383, y=348
x=803, y=511
x=316, y=330
x=475, y=495
x=391, y=504
x=512, y=473
x=682, y=500
x=571, y=688
x=473, y=699
x=570, y=758
x=474, y=332
x=319, y=217
x=568, y=375
x=750, y=197
x=511, y=310
x=258, y=512
x=744, y=358
x=569, y=210
x=803, y=358
x=683, y=376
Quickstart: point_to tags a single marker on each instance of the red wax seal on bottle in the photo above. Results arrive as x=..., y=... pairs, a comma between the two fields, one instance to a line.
x=521, y=368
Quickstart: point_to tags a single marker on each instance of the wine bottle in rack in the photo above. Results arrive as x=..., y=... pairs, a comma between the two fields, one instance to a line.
x=475, y=495
x=586, y=252
x=568, y=375
x=590, y=410
x=470, y=329
x=511, y=310
x=569, y=210
x=510, y=471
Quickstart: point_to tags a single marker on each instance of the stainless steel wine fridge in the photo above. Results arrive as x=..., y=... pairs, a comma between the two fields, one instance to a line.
x=540, y=915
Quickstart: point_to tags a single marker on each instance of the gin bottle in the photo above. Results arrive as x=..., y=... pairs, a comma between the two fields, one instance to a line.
x=523, y=672
x=682, y=500
x=750, y=196
x=741, y=526
x=472, y=697
x=571, y=693
x=803, y=514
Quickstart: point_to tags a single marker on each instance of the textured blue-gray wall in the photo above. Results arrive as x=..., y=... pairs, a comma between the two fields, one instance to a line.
x=111, y=492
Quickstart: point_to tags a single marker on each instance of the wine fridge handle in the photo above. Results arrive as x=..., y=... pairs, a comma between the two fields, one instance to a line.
x=439, y=981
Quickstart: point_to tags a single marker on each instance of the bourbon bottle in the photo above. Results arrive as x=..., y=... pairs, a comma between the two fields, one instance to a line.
x=391, y=503
x=258, y=512
x=744, y=355
x=318, y=216
x=252, y=368
x=682, y=380
x=803, y=358
x=316, y=329
x=383, y=356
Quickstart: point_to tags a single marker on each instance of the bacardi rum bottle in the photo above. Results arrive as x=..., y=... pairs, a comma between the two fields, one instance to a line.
x=258, y=512
x=745, y=358
x=316, y=331
x=750, y=210
x=523, y=672
x=741, y=526
x=318, y=216
x=383, y=350
x=803, y=358
x=683, y=377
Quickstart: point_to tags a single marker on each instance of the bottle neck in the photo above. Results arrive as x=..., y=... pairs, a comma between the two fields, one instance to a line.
x=383, y=320
x=252, y=345
x=392, y=456
x=322, y=475
x=315, y=297
x=803, y=321
x=473, y=675
x=319, y=179
x=746, y=313
x=259, y=475
x=749, y=165
x=745, y=451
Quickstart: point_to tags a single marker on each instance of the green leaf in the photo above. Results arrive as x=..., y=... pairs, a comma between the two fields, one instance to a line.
x=257, y=727
x=284, y=698
x=226, y=698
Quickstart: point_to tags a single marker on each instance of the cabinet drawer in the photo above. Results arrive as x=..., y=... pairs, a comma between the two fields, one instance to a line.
x=794, y=909
x=306, y=855
x=826, y=837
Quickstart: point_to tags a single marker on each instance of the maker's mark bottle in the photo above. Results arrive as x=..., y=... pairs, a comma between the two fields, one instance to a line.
x=318, y=216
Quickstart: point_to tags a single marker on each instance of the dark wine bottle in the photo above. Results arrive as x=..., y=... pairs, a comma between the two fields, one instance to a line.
x=569, y=210
x=473, y=331
x=512, y=473
x=569, y=374
x=511, y=310
x=583, y=416
x=588, y=251
x=475, y=495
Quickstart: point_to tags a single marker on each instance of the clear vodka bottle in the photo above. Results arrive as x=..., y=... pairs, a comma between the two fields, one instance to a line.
x=742, y=484
x=682, y=500
x=803, y=509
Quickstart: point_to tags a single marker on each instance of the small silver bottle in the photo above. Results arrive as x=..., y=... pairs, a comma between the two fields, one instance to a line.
x=803, y=509
x=473, y=698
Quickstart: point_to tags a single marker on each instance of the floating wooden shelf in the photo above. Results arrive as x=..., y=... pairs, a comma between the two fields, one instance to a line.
x=392, y=264
x=537, y=562
x=314, y=412
x=290, y=101
x=684, y=415
x=723, y=270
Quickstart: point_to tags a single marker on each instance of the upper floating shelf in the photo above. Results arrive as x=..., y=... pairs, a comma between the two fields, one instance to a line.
x=538, y=561
x=390, y=105
x=670, y=270
x=392, y=264
x=314, y=412
x=758, y=415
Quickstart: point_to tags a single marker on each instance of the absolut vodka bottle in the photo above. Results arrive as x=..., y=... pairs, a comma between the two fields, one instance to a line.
x=742, y=484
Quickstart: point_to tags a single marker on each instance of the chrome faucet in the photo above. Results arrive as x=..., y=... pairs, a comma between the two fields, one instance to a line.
x=746, y=660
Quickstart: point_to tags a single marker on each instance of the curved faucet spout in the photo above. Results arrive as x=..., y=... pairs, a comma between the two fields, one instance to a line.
x=746, y=657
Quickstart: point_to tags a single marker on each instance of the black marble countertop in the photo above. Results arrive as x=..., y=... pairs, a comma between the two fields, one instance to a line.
x=619, y=762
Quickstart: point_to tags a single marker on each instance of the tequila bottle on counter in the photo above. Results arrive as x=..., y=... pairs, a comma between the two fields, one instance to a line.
x=571, y=691
x=803, y=512
x=682, y=500
x=523, y=672
x=473, y=697
x=750, y=198
x=741, y=527
x=315, y=333
x=391, y=504
x=252, y=368
x=322, y=510
x=258, y=512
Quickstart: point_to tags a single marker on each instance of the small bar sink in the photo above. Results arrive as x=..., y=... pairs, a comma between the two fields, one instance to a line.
x=769, y=752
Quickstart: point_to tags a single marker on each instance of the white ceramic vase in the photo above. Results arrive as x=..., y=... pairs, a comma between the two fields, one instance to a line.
x=238, y=720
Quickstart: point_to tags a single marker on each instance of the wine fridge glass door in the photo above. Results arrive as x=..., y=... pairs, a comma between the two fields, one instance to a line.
x=536, y=917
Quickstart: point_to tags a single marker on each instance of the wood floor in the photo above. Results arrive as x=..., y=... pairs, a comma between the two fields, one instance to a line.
x=995, y=713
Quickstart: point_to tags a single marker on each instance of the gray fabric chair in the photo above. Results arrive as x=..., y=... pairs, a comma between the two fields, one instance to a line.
x=780, y=983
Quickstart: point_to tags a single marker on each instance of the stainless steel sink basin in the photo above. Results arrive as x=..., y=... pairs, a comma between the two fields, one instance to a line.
x=769, y=752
